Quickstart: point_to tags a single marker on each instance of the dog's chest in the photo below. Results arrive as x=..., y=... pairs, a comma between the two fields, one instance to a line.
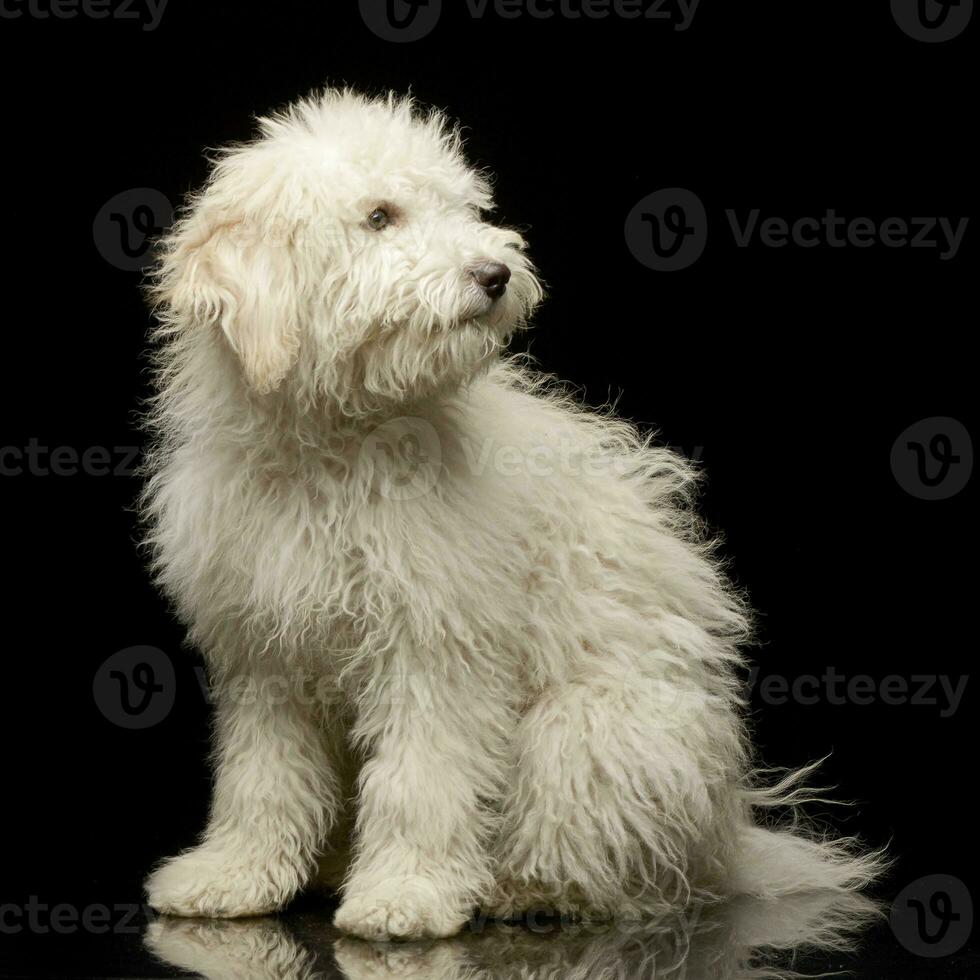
x=334, y=565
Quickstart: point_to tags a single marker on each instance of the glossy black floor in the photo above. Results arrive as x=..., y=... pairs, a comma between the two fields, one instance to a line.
x=807, y=935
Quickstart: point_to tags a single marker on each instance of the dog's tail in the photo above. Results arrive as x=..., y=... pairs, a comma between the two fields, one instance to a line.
x=778, y=858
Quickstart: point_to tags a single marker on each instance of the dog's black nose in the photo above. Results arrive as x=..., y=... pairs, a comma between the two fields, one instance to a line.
x=492, y=278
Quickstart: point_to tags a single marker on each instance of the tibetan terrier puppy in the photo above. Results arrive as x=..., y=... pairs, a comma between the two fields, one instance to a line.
x=468, y=645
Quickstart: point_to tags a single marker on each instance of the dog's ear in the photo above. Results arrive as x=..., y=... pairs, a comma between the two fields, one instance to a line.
x=242, y=279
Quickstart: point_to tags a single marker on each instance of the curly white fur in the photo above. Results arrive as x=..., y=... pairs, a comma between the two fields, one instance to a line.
x=454, y=619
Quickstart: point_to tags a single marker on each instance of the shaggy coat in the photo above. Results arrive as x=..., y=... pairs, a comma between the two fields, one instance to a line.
x=469, y=646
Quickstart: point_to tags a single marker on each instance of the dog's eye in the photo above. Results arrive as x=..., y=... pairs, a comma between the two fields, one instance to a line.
x=378, y=219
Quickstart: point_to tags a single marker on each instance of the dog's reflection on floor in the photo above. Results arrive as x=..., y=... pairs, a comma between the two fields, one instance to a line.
x=740, y=940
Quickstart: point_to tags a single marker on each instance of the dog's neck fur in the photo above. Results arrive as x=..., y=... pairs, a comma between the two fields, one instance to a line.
x=204, y=399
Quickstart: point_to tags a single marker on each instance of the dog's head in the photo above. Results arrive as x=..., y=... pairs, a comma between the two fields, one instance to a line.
x=345, y=252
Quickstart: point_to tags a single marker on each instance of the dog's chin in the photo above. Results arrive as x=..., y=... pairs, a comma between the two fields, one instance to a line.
x=463, y=352
x=483, y=326
x=488, y=321
x=408, y=366
x=476, y=341
x=479, y=340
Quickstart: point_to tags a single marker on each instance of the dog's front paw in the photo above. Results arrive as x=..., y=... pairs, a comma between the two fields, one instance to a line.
x=404, y=907
x=217, y=883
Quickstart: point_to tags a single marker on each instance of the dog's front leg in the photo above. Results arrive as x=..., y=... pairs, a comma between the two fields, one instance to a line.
x=420, y=863
x=275, y=799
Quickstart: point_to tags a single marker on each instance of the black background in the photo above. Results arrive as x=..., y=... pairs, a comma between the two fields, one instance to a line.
x=790, y=372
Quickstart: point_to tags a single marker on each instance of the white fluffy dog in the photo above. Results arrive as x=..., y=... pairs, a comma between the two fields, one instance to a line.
x=469, y=647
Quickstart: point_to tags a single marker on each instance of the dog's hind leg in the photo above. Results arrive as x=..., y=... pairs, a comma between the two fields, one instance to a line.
x=275, y=799
x=612, y=813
